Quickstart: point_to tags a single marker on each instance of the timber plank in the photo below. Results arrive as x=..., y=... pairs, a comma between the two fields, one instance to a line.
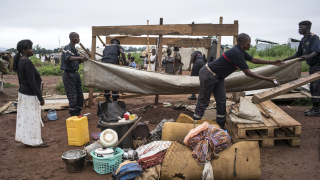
x=255, y=125
x=281, y=118
x=176, y=29
x=282, y=89
x=279, y=133
x=253, y=134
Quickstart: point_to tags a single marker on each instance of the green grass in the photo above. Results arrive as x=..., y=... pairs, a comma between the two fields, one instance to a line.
x=8, y=85
x=306, y=102
x=274, y=53
x=60, y=87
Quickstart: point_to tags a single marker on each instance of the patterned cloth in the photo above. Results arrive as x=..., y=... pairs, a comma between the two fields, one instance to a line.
x=208, y=143
x=177, y=65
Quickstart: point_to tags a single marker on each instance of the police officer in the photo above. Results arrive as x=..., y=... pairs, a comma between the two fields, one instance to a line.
x=212, y=77
x=111, y=54
x=309, y=50
x=197, y=59
x=70, y=61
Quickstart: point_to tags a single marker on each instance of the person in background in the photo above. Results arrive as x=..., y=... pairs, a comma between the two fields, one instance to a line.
x=198, y=61
x=309, y=51
x=169, y=62
x=132, y=63
x=128, y=61
x=70, y=61
x=43, y=58
x=30, y=100
x=111, y=54
x=152, y=61
x=177, y=61
x=212, y=77
x=52, y=59
x=12, y=54
x=145, y=61
x=10, y=62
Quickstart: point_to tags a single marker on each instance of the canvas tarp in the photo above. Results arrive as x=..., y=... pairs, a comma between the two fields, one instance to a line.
x=126, y=79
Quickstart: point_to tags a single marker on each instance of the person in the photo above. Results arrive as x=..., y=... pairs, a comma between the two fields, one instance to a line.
x=152, y=61
x=132, y=63
x=128, y=61
x=111, y=54
x=177, y=65
x=168, y=61
x=212, y=77
x=309, y=51
x=197, y=59
x=43, y=58
x=70, y=60
x=52, y=59
x=145, y=61
x=30, y=100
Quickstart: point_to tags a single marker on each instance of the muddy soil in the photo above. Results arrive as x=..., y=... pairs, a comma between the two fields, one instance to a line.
x=21, y=162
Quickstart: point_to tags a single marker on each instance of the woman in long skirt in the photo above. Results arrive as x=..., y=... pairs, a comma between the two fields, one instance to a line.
x=28, y=127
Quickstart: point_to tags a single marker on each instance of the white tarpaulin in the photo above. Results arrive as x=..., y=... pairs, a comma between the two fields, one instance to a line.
x=126, y=79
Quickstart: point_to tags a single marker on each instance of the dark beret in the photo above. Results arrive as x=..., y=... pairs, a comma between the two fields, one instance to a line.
x=307, y=23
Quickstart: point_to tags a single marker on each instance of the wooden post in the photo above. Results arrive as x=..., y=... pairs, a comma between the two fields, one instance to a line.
x=219, y=41
x=148, y=48
x=235, y=37
x=93, y=57
x=159, y=58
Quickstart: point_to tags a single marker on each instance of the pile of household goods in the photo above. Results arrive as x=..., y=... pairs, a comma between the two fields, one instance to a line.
x=264, y=122
x=173, y=150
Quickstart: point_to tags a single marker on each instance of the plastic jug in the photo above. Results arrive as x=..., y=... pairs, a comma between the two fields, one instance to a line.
x=78, y=130
x=52, y=116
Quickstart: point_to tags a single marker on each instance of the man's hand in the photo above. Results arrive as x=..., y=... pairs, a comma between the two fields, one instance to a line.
x=84, y=58
x=278, y=63
x=42, y=103
x=273, y=80
x=189, y=69
x=304, y=57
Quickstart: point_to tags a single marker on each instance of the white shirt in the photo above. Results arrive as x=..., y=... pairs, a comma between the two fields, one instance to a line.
x=43, y=58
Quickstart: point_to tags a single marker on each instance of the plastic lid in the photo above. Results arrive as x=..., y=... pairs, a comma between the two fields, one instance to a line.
x=102, y=151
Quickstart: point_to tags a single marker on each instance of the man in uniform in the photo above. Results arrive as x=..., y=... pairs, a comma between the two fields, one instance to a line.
x=212, y=77
x=70, y=61
x=111, y=54
x=309, y=50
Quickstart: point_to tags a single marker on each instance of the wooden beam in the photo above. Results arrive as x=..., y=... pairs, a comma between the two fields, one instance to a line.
x=177, y=29
x=206, y=42
x=3, y=108
x=219, y=41
x=85, y=50
x=99, y=54
x=149, y=66
x=156, y=100
x=104, y=44
x=274, y=92
x=93, y=52
x=281, y=118
x=235, y=37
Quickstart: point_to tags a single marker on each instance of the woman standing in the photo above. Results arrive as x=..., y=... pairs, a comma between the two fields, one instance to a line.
x=198, y=60
x=169, y=62
x=28, y=127
x=177, y=61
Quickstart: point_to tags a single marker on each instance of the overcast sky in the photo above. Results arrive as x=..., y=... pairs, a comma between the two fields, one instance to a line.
x=42, y=21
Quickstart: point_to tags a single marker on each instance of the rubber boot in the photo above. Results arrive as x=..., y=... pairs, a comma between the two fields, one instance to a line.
x=192, y=97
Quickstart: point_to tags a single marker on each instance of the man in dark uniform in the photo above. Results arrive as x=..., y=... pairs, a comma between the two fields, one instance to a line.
x=70, y=61
x=197, y=59
x=212, y=77
x=111, y=54
x=309, y=50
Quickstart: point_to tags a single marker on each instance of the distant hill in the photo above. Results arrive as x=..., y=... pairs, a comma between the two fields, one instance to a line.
x=3, y=49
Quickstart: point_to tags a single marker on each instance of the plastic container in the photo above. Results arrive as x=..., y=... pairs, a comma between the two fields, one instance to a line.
x=105, y=165
x=121, y=129
x=126, y=115
x=78, y=130
x=96, y=135
x=74, y=160
x=52, y=116
x=91, y=147
x=108, y=138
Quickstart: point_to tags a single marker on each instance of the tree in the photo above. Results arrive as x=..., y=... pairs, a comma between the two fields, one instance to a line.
x=12, y=50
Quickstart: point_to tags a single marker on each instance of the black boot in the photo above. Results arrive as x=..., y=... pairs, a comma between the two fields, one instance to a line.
x=73, y=112
x=192, y=97
x=221, y=121
x=78, y=111
x=314, y=112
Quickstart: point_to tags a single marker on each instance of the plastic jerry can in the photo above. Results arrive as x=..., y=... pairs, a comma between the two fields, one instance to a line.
x=78, y=130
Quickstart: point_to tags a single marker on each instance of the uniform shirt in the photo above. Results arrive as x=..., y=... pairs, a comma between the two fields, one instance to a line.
x=309, y=45
x=198, y=55
x=230, y=61
x=67, y=52
x=111, y=53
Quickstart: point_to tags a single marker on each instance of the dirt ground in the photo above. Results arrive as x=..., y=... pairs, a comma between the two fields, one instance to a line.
x=21, y=162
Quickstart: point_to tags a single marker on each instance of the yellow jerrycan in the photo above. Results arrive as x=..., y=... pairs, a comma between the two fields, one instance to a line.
x=78, y=130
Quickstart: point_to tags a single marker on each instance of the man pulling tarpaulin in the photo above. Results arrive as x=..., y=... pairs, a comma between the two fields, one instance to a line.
x=125, y=79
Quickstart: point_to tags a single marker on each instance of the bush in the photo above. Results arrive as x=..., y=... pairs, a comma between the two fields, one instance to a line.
x=60, y=87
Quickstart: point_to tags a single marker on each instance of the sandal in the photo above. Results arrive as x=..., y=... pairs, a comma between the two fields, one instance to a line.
x=43, y=145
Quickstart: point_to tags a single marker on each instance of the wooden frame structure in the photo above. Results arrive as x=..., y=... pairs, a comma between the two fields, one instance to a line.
x=132, y=33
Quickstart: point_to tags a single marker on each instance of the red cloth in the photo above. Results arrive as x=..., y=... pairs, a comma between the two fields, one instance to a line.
x=153, y=160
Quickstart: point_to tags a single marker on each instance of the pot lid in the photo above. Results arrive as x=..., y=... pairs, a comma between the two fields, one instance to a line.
x=102, y=151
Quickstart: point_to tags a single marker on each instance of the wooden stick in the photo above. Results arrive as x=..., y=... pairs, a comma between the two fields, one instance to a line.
x=93, y=52
x=235, y=37
x=104, y=44
x=127, y=133
x=156, y=100
x=219, y=41
x=274, y=92
x=148, y=47
x=85, y=50
x=6, y=106
x=99, y=54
